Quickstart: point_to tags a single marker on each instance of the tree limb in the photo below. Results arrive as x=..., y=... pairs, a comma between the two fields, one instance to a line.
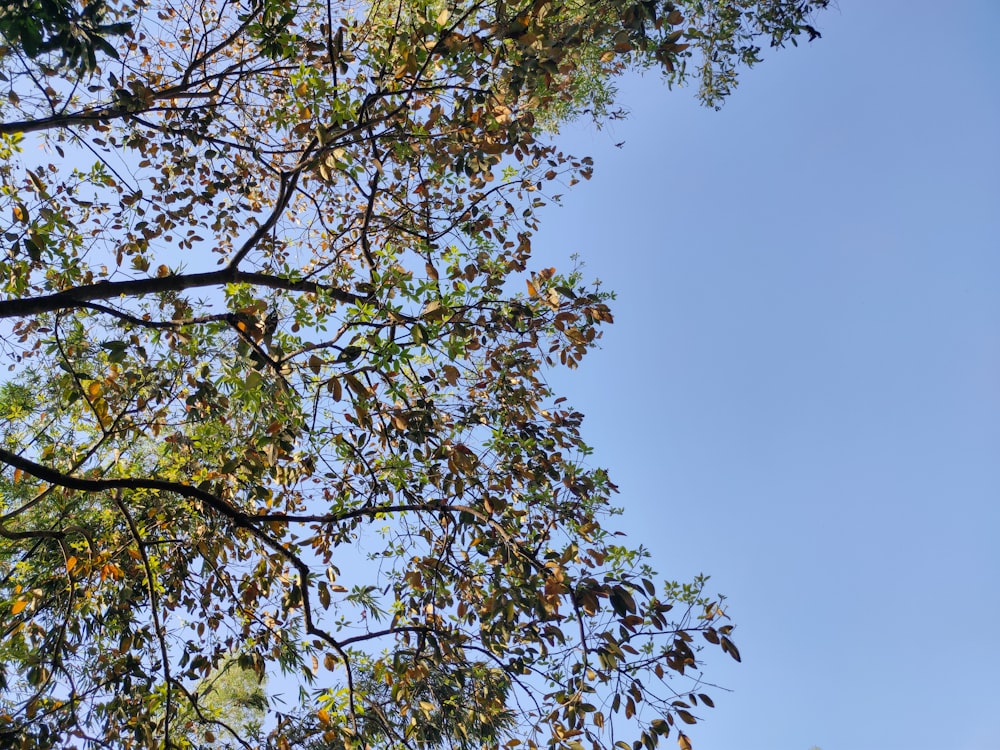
x=104, y=290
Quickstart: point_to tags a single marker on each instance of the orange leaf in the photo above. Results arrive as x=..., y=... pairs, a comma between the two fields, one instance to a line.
x=18, y=607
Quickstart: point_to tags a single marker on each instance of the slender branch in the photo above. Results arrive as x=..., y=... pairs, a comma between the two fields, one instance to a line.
x=154, y=608
x=388, y=631
x=285, y=192
x=175, y=325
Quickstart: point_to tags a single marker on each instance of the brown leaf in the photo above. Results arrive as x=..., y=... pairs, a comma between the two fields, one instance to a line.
x=335, y=389
x=356, y=385
x=730, y=648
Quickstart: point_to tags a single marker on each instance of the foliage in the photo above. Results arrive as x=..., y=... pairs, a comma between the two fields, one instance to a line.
x=37, y=27
x=231, y=700
x=461, y=707
x=276, y=398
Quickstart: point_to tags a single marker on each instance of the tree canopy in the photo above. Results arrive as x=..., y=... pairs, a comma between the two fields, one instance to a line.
x=276, y=392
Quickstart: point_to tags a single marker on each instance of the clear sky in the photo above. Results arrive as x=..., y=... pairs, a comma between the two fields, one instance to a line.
x=801, y=393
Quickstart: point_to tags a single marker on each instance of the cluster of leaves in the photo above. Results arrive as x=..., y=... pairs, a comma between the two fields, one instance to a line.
x=278, y=393
x=77, y=34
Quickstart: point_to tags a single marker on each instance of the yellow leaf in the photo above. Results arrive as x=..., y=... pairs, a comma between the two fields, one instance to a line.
x=70, y=564
x=18, y=607
x=684, y=742
x=323, y=714
x=94, y=389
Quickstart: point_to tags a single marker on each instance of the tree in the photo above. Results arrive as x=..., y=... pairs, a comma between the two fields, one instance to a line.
x=263, y=323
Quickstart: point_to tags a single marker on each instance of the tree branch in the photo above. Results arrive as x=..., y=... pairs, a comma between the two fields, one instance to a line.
x=53, y=476
x=78, y=296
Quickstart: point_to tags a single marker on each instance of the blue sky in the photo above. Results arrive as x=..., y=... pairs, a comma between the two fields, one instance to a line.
x=801, y=393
